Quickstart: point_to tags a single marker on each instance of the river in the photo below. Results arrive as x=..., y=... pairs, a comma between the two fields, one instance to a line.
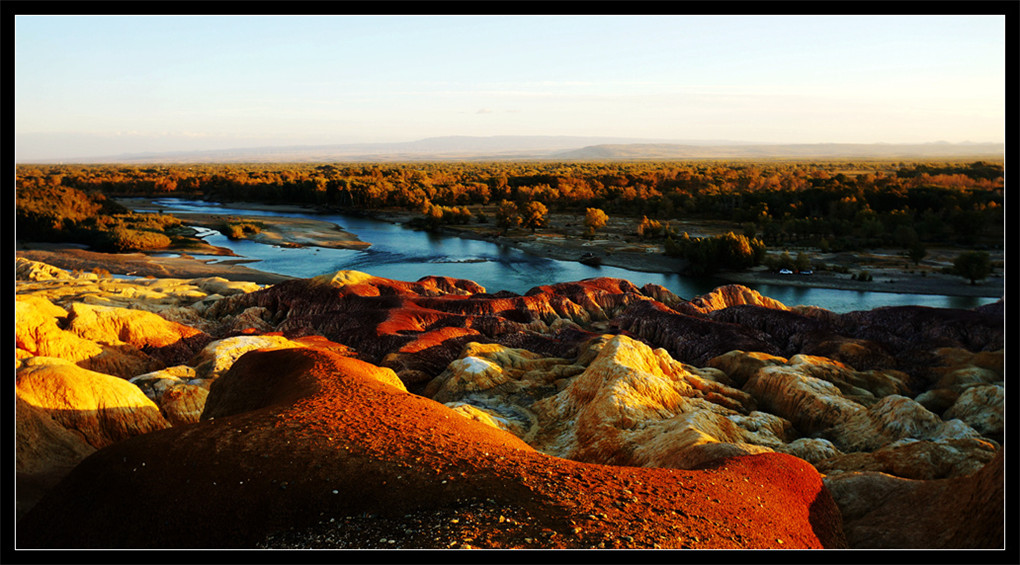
x=405, y=254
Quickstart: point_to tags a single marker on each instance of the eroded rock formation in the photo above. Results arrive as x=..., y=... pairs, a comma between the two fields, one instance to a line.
x=64, y=413
x=553, y=385
x=880, y=511
x=289, y=436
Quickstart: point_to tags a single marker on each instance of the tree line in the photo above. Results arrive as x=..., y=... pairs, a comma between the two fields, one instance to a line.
x=831, y=205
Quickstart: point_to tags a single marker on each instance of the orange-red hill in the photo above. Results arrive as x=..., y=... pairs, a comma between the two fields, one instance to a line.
x=294, y=437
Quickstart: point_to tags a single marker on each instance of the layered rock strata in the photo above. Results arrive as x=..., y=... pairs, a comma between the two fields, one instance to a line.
x=591, y=373
x=289, y=437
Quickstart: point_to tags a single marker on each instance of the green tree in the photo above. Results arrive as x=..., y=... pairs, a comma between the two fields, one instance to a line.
x=916, y=252
x=973, y=265
x=803, y=262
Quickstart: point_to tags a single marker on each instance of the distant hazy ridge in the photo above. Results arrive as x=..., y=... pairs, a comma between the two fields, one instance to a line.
x=565, y=148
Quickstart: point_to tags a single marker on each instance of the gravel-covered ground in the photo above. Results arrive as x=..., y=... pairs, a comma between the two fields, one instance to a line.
x=474, y=523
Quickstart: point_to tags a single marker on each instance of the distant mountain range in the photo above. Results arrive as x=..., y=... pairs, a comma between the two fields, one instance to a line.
x=560, y=148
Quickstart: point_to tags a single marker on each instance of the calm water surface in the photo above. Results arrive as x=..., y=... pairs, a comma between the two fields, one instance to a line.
x=405, y=254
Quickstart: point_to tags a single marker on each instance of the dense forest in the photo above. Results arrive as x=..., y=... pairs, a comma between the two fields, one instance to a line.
x=832, y=206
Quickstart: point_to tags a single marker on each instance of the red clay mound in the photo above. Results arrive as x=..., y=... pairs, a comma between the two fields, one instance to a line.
x=292, y=438
x=418, y=328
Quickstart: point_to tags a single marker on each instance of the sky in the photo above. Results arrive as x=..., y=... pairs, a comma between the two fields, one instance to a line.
x=91, y=85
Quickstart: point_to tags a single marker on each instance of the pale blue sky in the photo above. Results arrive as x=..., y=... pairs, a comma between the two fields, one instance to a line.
x=102, y=85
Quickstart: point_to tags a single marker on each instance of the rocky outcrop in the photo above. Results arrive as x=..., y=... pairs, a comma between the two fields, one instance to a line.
x=183, y=403
x=104, y=409
x=28, y=270
x=636, y=406
x=419, y=328
x=740, y=366
x=156, y=383
x=586, y=373
x=728, y=296
x=218, y=356
x=914, y=459
x=882, y=512
x=618, y=402
x=291, y=437
x=982, y=408
x=45, y=451
x=115, y=341
x=892, y=419
x=810, y=403
x=37, y=333
x=63, y=414
x=165, y=341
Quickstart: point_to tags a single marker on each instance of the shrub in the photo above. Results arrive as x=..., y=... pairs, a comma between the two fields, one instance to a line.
x=707, y=255
x=973, y=265
x=237, y=229
x=126, y=239
x=594, y=218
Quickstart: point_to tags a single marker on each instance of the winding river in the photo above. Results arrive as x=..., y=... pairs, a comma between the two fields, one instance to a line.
x=405, y=254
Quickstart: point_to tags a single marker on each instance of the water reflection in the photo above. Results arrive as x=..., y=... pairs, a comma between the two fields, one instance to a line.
x=405, y=254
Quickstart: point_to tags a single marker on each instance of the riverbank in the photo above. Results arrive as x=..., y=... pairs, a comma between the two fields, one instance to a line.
x=616, y=245
x=283, y=231
x=74, y=257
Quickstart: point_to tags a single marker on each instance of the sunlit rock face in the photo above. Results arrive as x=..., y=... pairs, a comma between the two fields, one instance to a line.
x=291, y=436
x=183, y=403
x=629, y=395
x=597, y=371
x=692, y=339
x=813, y=407
x=45, y=451
x=154, y=295
x=489, y=367
x=177, y=391
x=165, y=341
x=28, y=270
x=36, y=331
x=218, y=356
x=618, y=402
x=810, y=403
x=64, y=413
x=156, y=383
x=740, y=366
x=40, y=331
x=814, y=392
x=104, y=409
x=892, y=419
x=419, y=328
x=728, y=296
